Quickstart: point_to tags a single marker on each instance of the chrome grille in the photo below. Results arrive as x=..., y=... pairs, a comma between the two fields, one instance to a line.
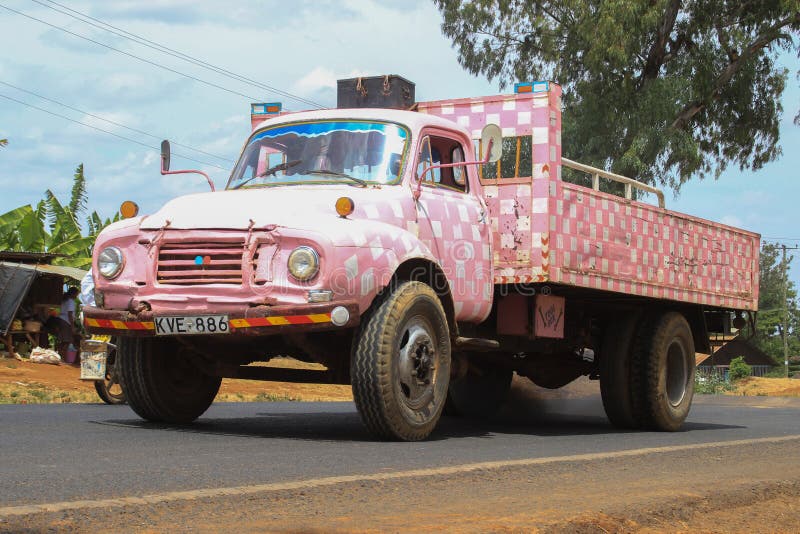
x=200, y=263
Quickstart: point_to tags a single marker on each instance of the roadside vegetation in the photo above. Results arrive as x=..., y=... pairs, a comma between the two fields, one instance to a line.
x=34, y=383
x=711, y=384
x=778, y=313
x=38, y=393
x=55, y=227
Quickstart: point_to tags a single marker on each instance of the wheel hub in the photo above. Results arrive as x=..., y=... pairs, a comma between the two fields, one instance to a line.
x=677, y=374
x=423, y=363
x=417, y=365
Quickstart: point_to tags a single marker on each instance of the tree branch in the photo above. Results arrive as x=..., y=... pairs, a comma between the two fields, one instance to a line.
x=693, y=108
x=541, y=5
x=658, y=51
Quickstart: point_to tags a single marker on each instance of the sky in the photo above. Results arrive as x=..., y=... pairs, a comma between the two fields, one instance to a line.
x=300, y=47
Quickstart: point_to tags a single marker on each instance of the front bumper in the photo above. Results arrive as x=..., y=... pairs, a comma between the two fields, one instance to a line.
x=253, y=321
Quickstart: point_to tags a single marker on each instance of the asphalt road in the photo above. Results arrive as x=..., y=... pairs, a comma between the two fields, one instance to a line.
x=57, y=453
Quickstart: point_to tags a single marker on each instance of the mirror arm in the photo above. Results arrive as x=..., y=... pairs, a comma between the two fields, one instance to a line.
x=165, y=160
x=190, y=171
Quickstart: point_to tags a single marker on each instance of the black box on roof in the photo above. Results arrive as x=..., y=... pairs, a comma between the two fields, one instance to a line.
x=389, y=91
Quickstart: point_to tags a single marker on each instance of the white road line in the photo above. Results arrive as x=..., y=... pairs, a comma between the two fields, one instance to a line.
x=191, y=495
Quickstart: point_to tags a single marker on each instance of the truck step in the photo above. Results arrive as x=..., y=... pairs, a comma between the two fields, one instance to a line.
x=476, y=344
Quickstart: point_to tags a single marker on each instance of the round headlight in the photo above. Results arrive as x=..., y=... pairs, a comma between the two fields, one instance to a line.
x=303, y=263
x=110, y=262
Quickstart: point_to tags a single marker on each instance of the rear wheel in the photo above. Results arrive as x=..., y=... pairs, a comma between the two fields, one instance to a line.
x=480, y=393
x=616, y=386
x=401, y=364
x=161, y=381
x=669, y=368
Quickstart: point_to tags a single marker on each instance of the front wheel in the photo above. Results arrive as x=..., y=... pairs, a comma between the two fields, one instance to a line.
x=162, y=383
x=401, y=364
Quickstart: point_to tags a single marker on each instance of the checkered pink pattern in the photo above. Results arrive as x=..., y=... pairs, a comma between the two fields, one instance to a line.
x=445, y=227
x=605, y=243
x=546, y=230
x=515, y=114
x=518, y=209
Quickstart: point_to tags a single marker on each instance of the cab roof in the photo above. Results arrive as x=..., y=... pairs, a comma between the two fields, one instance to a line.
x=411, y=119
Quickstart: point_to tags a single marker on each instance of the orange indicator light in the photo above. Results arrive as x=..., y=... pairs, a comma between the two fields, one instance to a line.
x=345, y=206
x=129, y=209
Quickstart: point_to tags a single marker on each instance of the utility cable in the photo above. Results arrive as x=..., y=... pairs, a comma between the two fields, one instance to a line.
x=105, y=26
x=115, y=123
x=157, y=149
x=153, y=63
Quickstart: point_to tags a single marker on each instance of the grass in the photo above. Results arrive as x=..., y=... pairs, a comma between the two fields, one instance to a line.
x=257, y=397
x=34, y=393
x=710, y=384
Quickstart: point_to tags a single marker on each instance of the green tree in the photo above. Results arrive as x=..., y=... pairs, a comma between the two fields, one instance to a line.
x=739, y=369
x=660, y=90
x=53, y=227
x=3, y=142
x=771, y=306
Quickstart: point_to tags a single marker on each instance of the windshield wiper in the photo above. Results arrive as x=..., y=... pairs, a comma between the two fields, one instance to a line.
x=272, y=170
x=359, y=181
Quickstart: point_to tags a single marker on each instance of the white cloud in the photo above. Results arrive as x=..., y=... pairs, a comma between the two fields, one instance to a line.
x=122, y=81
x=109, y=120
x=150, y=159
x=322, y=77
x=731, y=220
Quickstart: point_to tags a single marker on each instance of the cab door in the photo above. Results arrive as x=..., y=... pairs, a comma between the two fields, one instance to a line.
x=453, y=222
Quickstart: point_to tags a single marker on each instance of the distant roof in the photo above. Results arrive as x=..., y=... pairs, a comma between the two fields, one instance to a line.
x=60, y=270
x=738, y=347
x=27, y=257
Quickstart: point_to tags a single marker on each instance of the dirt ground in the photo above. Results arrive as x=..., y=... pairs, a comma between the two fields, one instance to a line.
x=719, y=490
x=29, y=383
x=23, y=382
x=772, y=387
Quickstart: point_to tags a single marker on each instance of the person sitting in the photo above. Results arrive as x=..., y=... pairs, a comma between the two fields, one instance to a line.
x=63, y=326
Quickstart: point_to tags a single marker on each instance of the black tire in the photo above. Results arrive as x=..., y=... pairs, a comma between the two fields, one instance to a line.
x=162, y=384
x=400, y=364
x=616, y=387
x=480, y=393
x=110, y=389
x=664, y=364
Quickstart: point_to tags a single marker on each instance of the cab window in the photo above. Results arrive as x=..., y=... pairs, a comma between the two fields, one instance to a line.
x=435, y=150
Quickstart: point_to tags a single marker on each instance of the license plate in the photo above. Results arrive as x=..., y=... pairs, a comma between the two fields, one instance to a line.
x=191, y=325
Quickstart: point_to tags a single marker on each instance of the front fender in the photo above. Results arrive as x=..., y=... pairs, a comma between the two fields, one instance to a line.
x=368, y=257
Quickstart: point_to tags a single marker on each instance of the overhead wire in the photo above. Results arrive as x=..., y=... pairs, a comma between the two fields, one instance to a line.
x=144, y=60
x=105, y=26
x=158, y=149
x=115, y=123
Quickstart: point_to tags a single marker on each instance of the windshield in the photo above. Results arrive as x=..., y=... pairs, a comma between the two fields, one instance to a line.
x=352, y=152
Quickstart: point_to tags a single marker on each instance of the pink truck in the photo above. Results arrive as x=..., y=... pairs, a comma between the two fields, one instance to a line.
x=422, y=255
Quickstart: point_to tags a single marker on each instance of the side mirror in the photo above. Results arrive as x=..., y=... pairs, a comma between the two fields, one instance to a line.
x=165, y=154
x=492, y=140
